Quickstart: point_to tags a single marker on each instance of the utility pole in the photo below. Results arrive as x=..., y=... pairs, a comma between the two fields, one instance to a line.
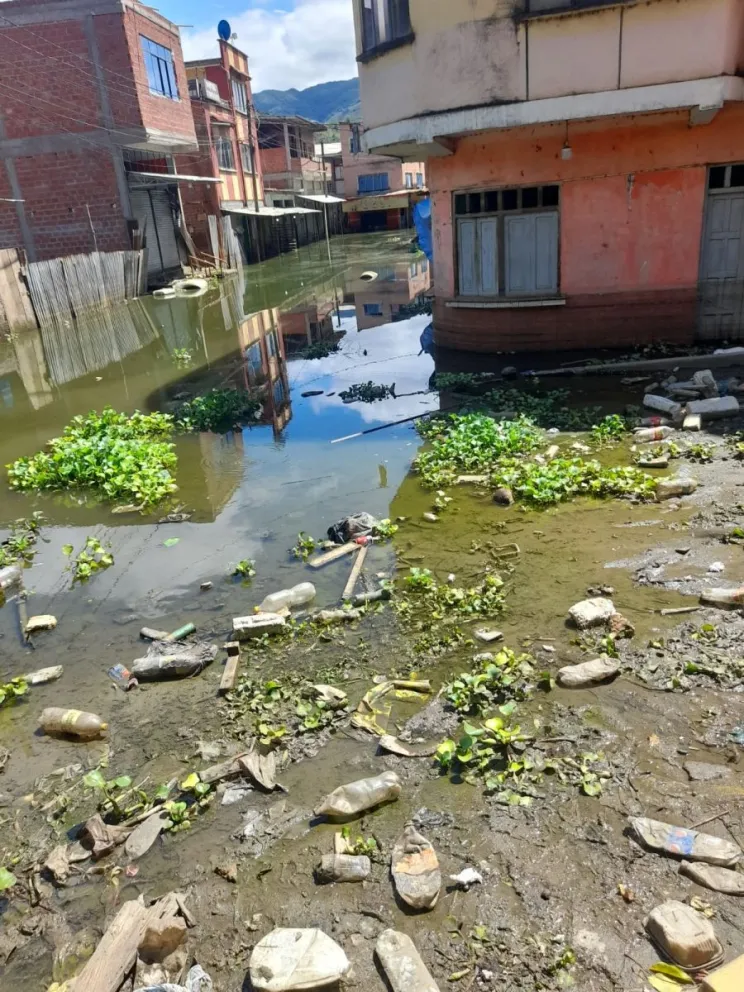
x=325, y=205
x=254, y=159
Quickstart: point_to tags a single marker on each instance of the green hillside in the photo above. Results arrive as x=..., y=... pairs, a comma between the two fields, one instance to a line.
x=326, y=102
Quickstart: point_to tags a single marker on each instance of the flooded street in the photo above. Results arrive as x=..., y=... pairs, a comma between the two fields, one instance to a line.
x=550, y=911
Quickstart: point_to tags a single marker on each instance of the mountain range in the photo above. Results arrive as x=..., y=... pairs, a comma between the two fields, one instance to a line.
x=326, y=102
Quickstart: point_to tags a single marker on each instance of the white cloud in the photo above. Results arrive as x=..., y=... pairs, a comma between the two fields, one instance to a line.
x=311, y=43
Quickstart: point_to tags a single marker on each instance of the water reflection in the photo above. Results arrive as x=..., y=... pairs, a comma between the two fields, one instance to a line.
x=379, y=301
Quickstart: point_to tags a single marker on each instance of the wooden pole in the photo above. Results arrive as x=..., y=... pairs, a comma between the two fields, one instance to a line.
x=355, y=572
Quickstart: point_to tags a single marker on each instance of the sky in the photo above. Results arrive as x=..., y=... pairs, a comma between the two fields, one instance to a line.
x=289, y=43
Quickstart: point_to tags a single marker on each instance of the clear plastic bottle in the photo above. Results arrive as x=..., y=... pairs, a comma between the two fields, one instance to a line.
x=723, y=597
x=10, y=576
x=298, y=595
x=689, y=844
x=343, y=868
x=348, y=800
x=653, y=433
x=75, y=723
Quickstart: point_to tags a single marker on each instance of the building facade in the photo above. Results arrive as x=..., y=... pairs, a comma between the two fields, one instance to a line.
x=90, y=92
x=290, y=163
x=584, y=159
x=380, y=190
x=225, y=126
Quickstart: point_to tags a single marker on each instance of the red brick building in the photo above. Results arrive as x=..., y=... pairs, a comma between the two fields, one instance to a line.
x=93, y=96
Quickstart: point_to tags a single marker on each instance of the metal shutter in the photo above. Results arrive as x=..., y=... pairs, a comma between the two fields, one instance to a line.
x=151, y=207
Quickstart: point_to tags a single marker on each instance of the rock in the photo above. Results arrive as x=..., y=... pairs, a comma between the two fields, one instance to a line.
x=731, y=883
x=692, y=422
x=205, y=586
x=489, y=635
x=163, y=934
x=402, y=963
x=44, y=675
x=484, y=656
x=466, y=878
x=209, y=750
x=588, y=673
x=234, y=794
x=671, y=488
x=510, y=372
x=661, y=462
x=44, y=621
x=257, y=625
x=705, y=382
x=431, y=518
x=714, y=409
x=699, y=771
x=592, y=612
x=343, y=868
x=683, y=936
x=717, y=567
x=415, y=869
x=285, y=960
x=503, y=496
x=620, y=626
x=662, y=405
x=228, y=871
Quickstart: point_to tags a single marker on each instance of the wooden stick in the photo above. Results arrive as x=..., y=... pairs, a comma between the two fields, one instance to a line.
x=330, y=556
x=230, y=671
x=710, y=819
x=116, y=954
x=679, y=609
x=355, y=572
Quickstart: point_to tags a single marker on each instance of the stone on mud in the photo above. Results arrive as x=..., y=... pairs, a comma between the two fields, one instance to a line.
x=588, y=673
x=402, y=963
x=287, y=960
x=592, y=612
x=257, y=625
x=415, y=869
x=701, y=771
x=44, y=621
x=671, y=488
x=714, y=409
x=503, y=496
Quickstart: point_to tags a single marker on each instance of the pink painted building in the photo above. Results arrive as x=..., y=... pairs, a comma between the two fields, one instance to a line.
x=380, y=190
x=585, y=160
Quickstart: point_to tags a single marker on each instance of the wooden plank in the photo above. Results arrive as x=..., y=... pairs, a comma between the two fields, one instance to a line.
x=230, y=671
x=355, y=572
x=116, y=954
x=329, y=556
x=15, y=304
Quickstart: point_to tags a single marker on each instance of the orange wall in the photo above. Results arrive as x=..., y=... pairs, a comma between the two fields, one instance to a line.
x=632, y=195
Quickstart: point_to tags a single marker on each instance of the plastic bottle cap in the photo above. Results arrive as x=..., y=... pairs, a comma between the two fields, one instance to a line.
x=104, y=726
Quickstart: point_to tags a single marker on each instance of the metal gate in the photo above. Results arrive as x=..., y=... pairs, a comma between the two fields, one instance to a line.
x=152, y=208
x=721, y=301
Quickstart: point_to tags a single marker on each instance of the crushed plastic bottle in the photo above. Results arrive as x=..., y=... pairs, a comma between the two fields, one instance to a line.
x=723, y=597
x=343, y=868
x=685, y=843
x=348, y=800
x=653, y=433
x=298, y=595
x=75, y=723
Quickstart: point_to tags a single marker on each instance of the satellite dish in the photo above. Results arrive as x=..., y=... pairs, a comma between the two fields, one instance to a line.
x=224, y=30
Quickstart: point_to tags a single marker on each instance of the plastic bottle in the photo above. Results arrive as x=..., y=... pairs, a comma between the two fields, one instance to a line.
x=343, y=868
x=671, y=488
x=348, y=800
x=723, y=597
x=653, y=433
x=75, y=723
x=10, y=576
x=690, y=844
x=298, y=595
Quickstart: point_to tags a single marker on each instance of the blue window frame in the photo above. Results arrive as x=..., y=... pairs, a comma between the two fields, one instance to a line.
x=375, y=182
x=373, y=309
x=161, y=73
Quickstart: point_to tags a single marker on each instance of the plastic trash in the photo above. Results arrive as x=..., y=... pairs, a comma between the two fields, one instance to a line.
x=588, y=673
x=670, y=488
x=44, y=675
x=402, y=963
x=44, y=621
x=718, y=879
x=174, y=664
x=466, y=878
x=654, y=422
x=683, y=936
x=343, y=868
x=689, y=844
x=415, y=869
x=298, y=595
x=256, y=625
x=10, y=576
x=723, y=597
x=351, y=527
x=653, y=433
x=592, y=612
x=730, y=978
x=197, y=980
x=286, y=960
x=75, y=723
x=366, y=793
x=692, y=422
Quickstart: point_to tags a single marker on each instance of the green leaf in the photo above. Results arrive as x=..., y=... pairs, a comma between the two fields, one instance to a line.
x=163, y=791
x=67, y=549
x=94, y=780
x=508, y=708
x=201, y=789
x=671, y=971
x=169, y=542
x=190, y=782
x=7, y=879
x=122, y=782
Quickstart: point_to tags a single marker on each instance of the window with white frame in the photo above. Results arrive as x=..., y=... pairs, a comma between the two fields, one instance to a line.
x=161, y=72
x=384, y=22
x=224, y=147
x=507, y=242
x=419, y=180
x=246, y=157
x=409, y=180
x=239, y=95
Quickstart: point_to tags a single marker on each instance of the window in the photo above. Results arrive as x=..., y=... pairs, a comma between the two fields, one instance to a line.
x=161, y=73
x=240, y=100
x=550, y=6
x=725, y=176
x=246, y=157
x=373, y=309
x=507, y=242
x=224, y=148
x=355, y=141
x=409, y=180
x=419, y=179
x=384, y=22
x=375, y=182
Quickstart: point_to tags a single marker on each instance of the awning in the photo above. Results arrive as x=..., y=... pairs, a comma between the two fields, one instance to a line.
x=268, y=211
x=323, y=198
x=172, y=177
